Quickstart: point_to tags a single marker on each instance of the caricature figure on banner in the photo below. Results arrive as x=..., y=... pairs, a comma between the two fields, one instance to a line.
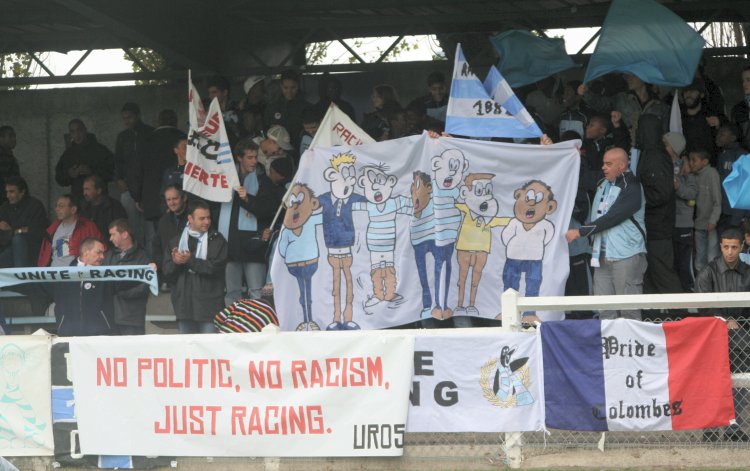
x=210, y=171
x=417, y=227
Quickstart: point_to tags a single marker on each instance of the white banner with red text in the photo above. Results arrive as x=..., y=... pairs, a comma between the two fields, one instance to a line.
x=243, y=395
x=338, y=129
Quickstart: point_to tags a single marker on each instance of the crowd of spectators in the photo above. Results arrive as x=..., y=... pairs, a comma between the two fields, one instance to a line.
x=649, y=210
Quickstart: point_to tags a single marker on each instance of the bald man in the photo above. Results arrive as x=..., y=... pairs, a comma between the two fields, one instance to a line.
x=617, y=225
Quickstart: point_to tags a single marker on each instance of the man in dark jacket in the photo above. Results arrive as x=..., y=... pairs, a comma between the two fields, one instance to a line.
x=698, y=126
x=8, y=162
x=130, y=297
x=286, y=110
x=656, y=173
x=171, y=223
x=602, y=134
x=242, y=228
x=729, y=151
x=157, y=158
x=83, y=157
x=129, y=147
x=740, y=114
x=196, y=259
x=23, y=224
x=727, y=274
x=99, y=207
x=84, y=308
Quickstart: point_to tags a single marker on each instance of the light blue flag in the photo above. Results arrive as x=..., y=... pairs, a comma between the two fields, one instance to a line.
x=737, y=183
x=644, y=38
x=489, y=110
x=526, y=58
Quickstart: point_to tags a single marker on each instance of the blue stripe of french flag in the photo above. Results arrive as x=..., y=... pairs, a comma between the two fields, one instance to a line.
x=628, y=375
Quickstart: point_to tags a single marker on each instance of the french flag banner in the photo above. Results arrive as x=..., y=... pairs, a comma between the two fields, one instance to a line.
x=485, y=110
x=625, y=375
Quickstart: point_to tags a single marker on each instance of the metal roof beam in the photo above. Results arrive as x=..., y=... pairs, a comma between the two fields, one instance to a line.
x=121, y=29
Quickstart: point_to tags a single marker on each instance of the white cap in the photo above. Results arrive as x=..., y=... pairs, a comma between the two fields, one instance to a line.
x=251, y=81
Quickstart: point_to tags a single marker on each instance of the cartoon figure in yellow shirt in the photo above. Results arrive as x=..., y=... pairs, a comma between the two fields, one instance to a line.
x=479, y=211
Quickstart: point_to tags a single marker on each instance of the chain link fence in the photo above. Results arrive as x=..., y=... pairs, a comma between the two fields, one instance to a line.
x=484, y=449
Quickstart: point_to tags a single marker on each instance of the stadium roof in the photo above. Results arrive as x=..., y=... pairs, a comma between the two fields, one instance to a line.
x=234, y=36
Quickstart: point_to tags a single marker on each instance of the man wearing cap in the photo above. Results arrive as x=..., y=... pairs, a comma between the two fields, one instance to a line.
x=276, y=144
x=686, y=190
x=698, y=127
x=255, y=92
x=286, y=110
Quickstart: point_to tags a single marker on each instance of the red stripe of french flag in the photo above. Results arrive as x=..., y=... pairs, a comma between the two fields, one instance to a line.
x=698, y=349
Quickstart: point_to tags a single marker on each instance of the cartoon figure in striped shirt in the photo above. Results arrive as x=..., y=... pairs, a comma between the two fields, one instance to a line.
x=448, y=170
x=381, y=231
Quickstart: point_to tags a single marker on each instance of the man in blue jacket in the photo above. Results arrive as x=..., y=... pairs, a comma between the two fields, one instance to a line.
x=617, y=224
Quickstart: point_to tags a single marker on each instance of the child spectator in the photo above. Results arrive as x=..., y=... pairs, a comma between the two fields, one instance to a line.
x=311, y=118
x=707, y=208
x=686, y=190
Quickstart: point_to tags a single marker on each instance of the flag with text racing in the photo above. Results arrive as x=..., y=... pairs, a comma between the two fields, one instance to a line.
x=338, y=129
x=210, y=171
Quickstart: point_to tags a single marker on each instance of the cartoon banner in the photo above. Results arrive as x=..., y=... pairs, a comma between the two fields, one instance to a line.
x=210, y=171
x=418, y=227
x=243, y=395
x=476, y=381
x=25, y=417
x=630, y=375
x=142, y=273
x=338, y=129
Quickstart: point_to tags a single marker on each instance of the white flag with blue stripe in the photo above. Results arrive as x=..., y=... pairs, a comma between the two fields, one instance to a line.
x=485, y=110
x=210, y=170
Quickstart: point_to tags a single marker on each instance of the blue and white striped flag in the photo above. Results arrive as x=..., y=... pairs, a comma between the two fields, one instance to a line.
x=485, y=110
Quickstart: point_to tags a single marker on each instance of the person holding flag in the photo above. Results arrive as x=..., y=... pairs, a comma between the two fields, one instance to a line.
x=210, y=170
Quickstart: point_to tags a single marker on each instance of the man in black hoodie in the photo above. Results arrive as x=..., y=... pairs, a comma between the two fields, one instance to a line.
x=84, y=156
x=656, y=172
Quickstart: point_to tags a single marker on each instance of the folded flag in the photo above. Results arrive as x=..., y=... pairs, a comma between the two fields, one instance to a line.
x=485, y=110
x=527, y=58
x=625, y=375
x=737, y=183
